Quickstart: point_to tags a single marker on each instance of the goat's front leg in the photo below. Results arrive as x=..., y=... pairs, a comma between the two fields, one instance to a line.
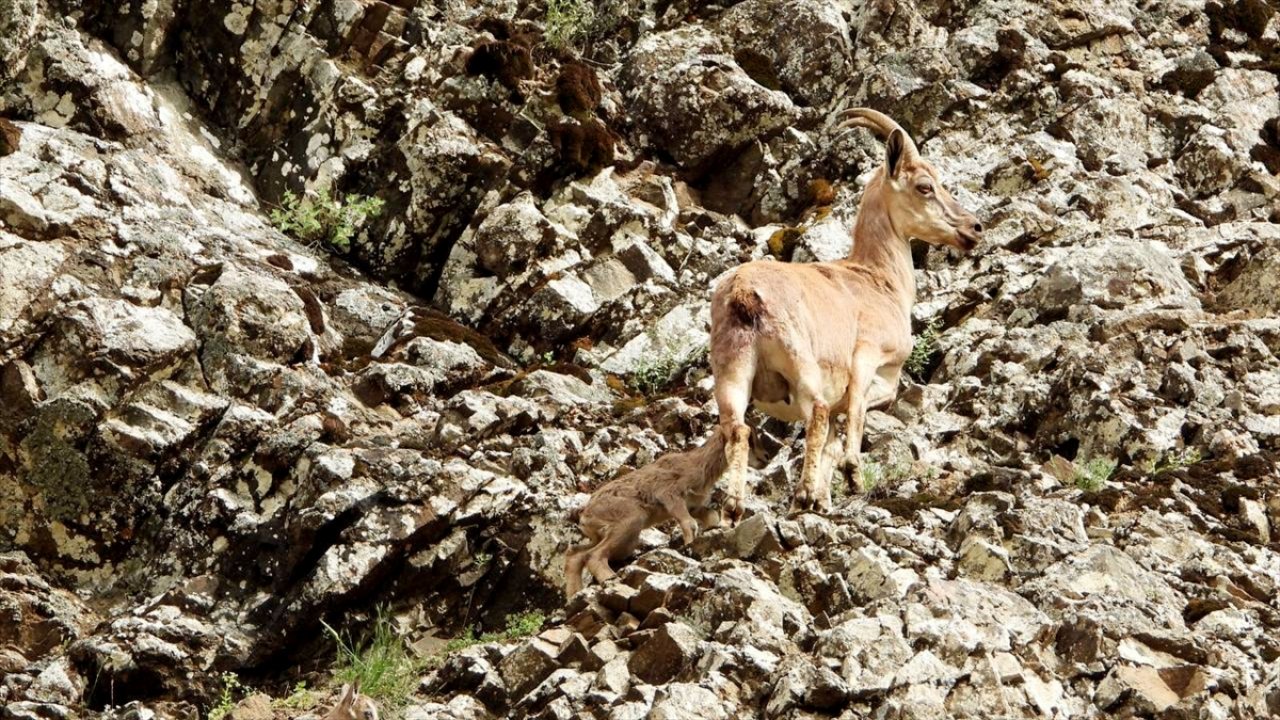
x=675, y=506
x=809, y=494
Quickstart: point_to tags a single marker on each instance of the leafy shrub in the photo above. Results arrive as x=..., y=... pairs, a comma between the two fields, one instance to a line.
x=923, y=350
x=568, y=22
x=518, y=626
x=654, y=375
x=1093, y=475
x=1174, y=461
x=300, y=699
x=874, y=477
x=325, y=218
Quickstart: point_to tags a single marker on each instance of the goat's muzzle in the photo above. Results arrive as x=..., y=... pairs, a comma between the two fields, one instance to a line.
x=968, y=234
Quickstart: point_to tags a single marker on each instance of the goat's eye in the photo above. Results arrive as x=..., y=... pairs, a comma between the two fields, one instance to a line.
x=924, y=189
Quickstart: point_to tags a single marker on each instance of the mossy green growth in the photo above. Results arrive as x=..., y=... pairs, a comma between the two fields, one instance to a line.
x=324, y=218
x=59, y=471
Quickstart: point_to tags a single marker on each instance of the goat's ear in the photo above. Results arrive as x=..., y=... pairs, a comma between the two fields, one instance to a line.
x=894, y=149
x=348, y=696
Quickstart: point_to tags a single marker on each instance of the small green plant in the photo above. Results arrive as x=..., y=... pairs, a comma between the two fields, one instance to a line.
x=227, y=698
x=382, y=665
x=568, y=22
x=1093, y=475
x=923, y=350
x=523, y=625
x=1174, y=461
x=481, y=559
x=324, y=218
x=518, y=626
x=654, y=375
x=300, y=699
x=875, y=477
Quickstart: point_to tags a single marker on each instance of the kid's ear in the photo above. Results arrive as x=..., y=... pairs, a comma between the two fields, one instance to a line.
x=348, y=696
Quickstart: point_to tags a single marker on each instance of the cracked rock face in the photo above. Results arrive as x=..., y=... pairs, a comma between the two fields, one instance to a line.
x=213, y=438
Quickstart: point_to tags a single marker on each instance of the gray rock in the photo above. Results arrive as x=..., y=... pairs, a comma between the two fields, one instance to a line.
x=661, y=81
x=666, y=655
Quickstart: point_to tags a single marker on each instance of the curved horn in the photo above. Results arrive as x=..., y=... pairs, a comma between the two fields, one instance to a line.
x=876, y=121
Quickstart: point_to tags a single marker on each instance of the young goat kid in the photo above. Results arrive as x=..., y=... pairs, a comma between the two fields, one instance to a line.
x=805, y=341
x=353, y=706
x=675, y=486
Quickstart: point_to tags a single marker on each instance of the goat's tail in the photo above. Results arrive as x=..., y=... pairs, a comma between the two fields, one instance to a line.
x=744, y=302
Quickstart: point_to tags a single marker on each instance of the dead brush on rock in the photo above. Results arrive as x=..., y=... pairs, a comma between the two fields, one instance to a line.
x=675, y=486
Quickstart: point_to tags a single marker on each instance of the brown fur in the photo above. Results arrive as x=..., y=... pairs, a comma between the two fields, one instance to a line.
x=675, y=486
x=353, y=706
x=804, y=341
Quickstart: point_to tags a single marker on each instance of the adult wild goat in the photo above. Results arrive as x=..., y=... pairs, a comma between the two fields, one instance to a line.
x=804, y=341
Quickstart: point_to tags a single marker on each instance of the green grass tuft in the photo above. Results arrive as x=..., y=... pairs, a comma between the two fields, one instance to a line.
x=382, y=664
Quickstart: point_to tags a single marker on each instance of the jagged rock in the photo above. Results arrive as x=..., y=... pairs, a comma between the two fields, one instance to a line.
x=527, y=666
x=801, y=48
x=1256, y=287
x=801, y=684
x=664, y=656
x=224, y=436
x=661, y=82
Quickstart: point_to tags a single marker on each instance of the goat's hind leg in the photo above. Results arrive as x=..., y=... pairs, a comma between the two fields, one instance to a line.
x=574, y=560
x=619, y=541
x=812, y=493
x=733, y=395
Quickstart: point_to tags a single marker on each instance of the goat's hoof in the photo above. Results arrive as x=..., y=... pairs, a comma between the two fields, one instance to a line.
x=851, y=471
x=732, y=513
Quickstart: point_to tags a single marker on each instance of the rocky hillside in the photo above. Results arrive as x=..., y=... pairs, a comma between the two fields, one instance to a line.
x=214, y=438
